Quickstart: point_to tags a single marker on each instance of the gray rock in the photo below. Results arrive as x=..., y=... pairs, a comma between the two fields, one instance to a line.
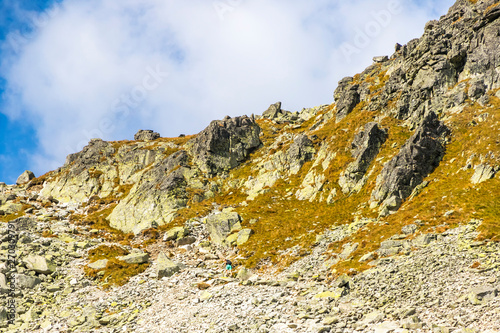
x=99, y=264
x=175, y=233
x=476, y=89
x=26, y=281
x=4, y=288
x=346, y=97
x=146, y=135
x=409, y=229
x=186, y=240
x=244, y=236
x=25, y=177
x=11, y=208
x=273, y=111
x=219, y=225
x=365, y=148
x=224, y=144
x=348, y=250
x=39, y=264
x=135, y=258
x=419, y=156
x=300, y=151
x=424, y=239
x=166, y=267
x=483, y=172
x=380, y=59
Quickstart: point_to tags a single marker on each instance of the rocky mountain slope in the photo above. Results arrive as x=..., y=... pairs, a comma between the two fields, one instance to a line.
x=379, y=212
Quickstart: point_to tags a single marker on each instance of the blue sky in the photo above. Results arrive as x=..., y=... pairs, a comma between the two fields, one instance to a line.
x=72, y=70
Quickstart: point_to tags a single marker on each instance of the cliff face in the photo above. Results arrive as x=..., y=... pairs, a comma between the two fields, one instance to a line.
x=408, y=152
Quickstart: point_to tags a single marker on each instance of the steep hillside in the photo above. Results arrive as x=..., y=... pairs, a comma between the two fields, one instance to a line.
x=397, y=175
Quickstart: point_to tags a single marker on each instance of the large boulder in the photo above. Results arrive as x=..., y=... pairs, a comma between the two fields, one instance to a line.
x=365, y=148
x=418, y=157
x=219, y=225
x=224, y=144
x=26, y=281
x=135, y=258
x=166, y=267
x=146, y=135
x=25, y=177
x=39, y=264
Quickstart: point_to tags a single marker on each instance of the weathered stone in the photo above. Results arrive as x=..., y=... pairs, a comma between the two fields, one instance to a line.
x=175, y=233
x=219, y=225
x=231, y=239
x=156, y=197
x=205, y=295
x=365, y=148
x=26, y=281
x=99, y=264
x=482, y=294
x=244, y=236
x=244, y=274
x=39, y=264
x=300, y=151
x=11, y=208
x=380, y=59
x=224, y=144
x=335, y=294
x=4, y=288
x=409, y=229
x=348, y=250
x=25, y=177
x=419, y=156
x=483, y=172
x=273, y=111
x=186, y=240
x=346, y=97
x=165, y=267
x=135, y=258
x=146, y=135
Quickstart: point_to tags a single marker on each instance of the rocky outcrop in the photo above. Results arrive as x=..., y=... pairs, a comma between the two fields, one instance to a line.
x=146, y=135
x=300, y=151
x=101, y=167
x=224, y=144
x=365, y=148
x=419, y=156
x=346, y=96
x=155, y=198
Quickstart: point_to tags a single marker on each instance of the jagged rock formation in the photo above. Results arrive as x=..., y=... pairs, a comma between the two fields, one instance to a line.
x=224, y=144
x=365, y=147
x=143, y=135
x=419, y=156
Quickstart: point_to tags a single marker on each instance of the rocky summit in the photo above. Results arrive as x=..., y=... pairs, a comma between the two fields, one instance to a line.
x=377, y=213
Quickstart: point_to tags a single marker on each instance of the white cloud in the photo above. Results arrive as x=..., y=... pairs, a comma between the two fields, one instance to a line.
x=71, y=77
